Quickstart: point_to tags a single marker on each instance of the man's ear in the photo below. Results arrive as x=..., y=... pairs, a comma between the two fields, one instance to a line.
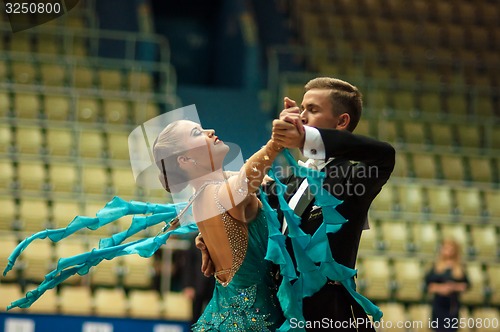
x=344, y=121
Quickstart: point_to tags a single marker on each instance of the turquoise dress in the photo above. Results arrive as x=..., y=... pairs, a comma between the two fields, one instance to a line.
x=248, y=302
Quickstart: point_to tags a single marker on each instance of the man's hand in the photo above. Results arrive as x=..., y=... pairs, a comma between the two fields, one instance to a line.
x=287, y=135
x=207, y=266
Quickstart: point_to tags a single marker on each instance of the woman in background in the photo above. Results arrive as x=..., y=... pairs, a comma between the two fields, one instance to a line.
x=445, y=281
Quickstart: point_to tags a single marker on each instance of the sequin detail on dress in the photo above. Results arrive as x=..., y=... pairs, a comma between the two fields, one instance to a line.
x=237, y=234
x=237, y=314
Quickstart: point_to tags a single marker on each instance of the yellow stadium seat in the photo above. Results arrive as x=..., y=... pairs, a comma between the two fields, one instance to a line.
x=404, y=102
x=455, y=36
x=415, y=132
x=111, y=302
x=23, y=72
x=116, y=111
x=483, y=106
x=53, y=74
x=376, y=275
x=31, y=175
x=91, y=144
x=440, y=200
x=21, y=42
x=118, y=145
x=75, y=300
x=425, y=237
x=37, y=261
x=63, y=177
x=475, y=294
x=110, y=79
x=393, y=314
x=492, y=198
x=424, y=166
x=5, y=105
x=138, y=271
x=47, y=44
x=395, y=236
x=5, y=138
x=82, y=77
x=420, y=314
x=8, y=243
x=469, y=136
x=457, y=232
x=484, y=241
x=493, y=271
x=481, y=169
x=60, y=142
x=389, y=131
x=385, y=200
x=442, y=134
x=63, y=212
x=486, y=318
x=411, y=198
x=6, y=174
x=57, y=107
x=106, y=273
x=369, y=238
x=7, y=212
x=144, y=111
x=10, y=293
x=452, y=167
x=95, y=180
x=145, y=304
x=68, y=248
x=430, y=103
x=46, y=304
x=29, y=139
x=140, y=81
x=456, y=104
x=123, y=182
x=469, y=202
x=87, y=109
x=177, y=306
x=27, y=105
x=401, y=169
x=34, y=215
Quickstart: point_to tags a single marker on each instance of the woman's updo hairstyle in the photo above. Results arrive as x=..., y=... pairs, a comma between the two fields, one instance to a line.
x=166, y=149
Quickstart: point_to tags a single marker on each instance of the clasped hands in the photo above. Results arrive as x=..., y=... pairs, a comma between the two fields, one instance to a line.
x=288, y=132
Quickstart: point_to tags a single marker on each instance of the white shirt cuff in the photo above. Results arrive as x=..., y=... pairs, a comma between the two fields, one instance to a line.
x=313, y=144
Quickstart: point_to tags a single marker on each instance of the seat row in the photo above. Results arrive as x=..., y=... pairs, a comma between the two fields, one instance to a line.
x=105, y=302
x=403, y=279
x=82, y=109
x=79, y=75
x=445, y=12
x=418, y=238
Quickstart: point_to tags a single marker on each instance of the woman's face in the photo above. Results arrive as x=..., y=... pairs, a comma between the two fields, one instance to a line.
x=203, y=147
x=448, y=250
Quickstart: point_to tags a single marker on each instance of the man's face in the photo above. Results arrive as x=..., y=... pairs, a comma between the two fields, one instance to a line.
x=317, y=109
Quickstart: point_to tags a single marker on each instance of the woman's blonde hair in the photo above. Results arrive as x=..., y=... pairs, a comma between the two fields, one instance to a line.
x=167, y=147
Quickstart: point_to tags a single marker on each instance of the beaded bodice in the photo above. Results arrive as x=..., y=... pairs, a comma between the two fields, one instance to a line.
x=237, y=234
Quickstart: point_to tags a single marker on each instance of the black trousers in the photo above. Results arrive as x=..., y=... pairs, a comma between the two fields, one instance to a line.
x=334, y=308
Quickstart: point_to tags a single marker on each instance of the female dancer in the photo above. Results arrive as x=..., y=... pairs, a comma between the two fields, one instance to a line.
x=230, y=219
